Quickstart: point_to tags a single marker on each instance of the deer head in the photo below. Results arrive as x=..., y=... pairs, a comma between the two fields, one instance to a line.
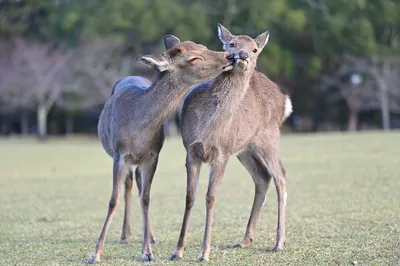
x=190, y=62
x=244, y=49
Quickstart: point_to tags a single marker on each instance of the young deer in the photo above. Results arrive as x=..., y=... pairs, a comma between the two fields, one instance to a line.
x=238, y=113
x=131, y=124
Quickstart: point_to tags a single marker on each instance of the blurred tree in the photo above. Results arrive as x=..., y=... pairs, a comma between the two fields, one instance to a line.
x=14, y=78
x=309, y=39
x=361, y=28
x=35, y=78
x=139, y=23
x=368, y=83
x=28, y=19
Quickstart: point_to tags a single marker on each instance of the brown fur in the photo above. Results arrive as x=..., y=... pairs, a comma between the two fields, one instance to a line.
x=238, y=113
x=131, y=125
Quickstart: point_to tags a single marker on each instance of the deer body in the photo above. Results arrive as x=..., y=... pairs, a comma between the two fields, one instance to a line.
x=114, y=114
x=238, y=113
x=132, y=119
x=131, y=125
x=233, y=118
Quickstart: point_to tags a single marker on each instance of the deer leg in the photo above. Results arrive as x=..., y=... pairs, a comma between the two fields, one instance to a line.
x=193, y=170
x=119, y=171
x=147, y=171
x=138, y=179
x=280, y=184
x=217, y=171
x=126, y=226
x=275, y=167
x=261, y=179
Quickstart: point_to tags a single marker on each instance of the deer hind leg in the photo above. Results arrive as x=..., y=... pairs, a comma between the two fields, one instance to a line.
x=138, y=179
x=217, y=170
x=275, y=168
x=280, y=183
x=126, y=226
x=120, y=170
x=193, y=170
x=261, y=179
x=147, y=171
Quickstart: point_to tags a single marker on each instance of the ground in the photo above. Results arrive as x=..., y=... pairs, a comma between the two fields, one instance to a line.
x=343, y=204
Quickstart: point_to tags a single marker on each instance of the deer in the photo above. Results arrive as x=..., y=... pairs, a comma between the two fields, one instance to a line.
x=130, y=126
x=239, y=113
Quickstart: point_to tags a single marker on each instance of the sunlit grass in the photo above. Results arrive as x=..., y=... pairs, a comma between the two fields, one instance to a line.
x=343, y=204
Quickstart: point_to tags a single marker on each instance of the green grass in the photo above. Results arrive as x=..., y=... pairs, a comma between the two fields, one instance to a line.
x=343, y=204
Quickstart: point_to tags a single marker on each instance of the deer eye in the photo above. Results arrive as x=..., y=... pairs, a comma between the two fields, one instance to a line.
x=195, y=59
x=254, y=50
x=231, y=45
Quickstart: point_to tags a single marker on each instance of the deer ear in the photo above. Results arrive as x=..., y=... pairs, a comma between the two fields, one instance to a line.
x=262, y=39
x=171, y=41
x=156, y=62
x=224, y=34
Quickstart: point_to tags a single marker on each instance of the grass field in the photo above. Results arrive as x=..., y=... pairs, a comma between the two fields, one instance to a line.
x=343, y=204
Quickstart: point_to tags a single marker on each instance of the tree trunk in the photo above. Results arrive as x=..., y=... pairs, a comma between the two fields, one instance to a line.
x=69, y=125
x=384, y=97
x=385, y=110
x=24, y=120
x=4, y=128
x=42, y=121
x=353, y=120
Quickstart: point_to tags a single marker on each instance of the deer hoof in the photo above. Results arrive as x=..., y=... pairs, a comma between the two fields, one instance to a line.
x=175, y=257
x=124, y=241
x=202, y=260
x=153, y=240
x=148, y=257
x=277, y=249
x=93, y=259
x=238, y=245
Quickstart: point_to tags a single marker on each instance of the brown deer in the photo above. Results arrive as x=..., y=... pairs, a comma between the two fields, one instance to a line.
x=131, y=124
x=238, y=113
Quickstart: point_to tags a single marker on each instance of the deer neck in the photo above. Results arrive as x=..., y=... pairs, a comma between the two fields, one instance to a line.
x=162, y=98
x=229, y=89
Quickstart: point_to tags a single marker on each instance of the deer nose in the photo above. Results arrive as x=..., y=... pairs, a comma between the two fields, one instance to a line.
x=231, y=57
x=243, y=55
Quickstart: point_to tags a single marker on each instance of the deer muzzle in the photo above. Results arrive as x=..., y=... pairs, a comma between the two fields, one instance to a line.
x=243, y=55
x=241, y=59
x=231, y=57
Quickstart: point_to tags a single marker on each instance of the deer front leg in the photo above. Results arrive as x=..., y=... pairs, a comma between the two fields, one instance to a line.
x=217, y=170
x=193, y=170
x=126, y=226
x=261, y=179
x=138, y=179
x=147, y=170
x=119, y=171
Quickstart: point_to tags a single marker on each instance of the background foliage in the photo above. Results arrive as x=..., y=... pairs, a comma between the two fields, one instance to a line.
x=310, y=39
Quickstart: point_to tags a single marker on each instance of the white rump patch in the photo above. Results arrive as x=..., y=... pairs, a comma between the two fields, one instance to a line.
x=288, y=107
x=285, y=198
